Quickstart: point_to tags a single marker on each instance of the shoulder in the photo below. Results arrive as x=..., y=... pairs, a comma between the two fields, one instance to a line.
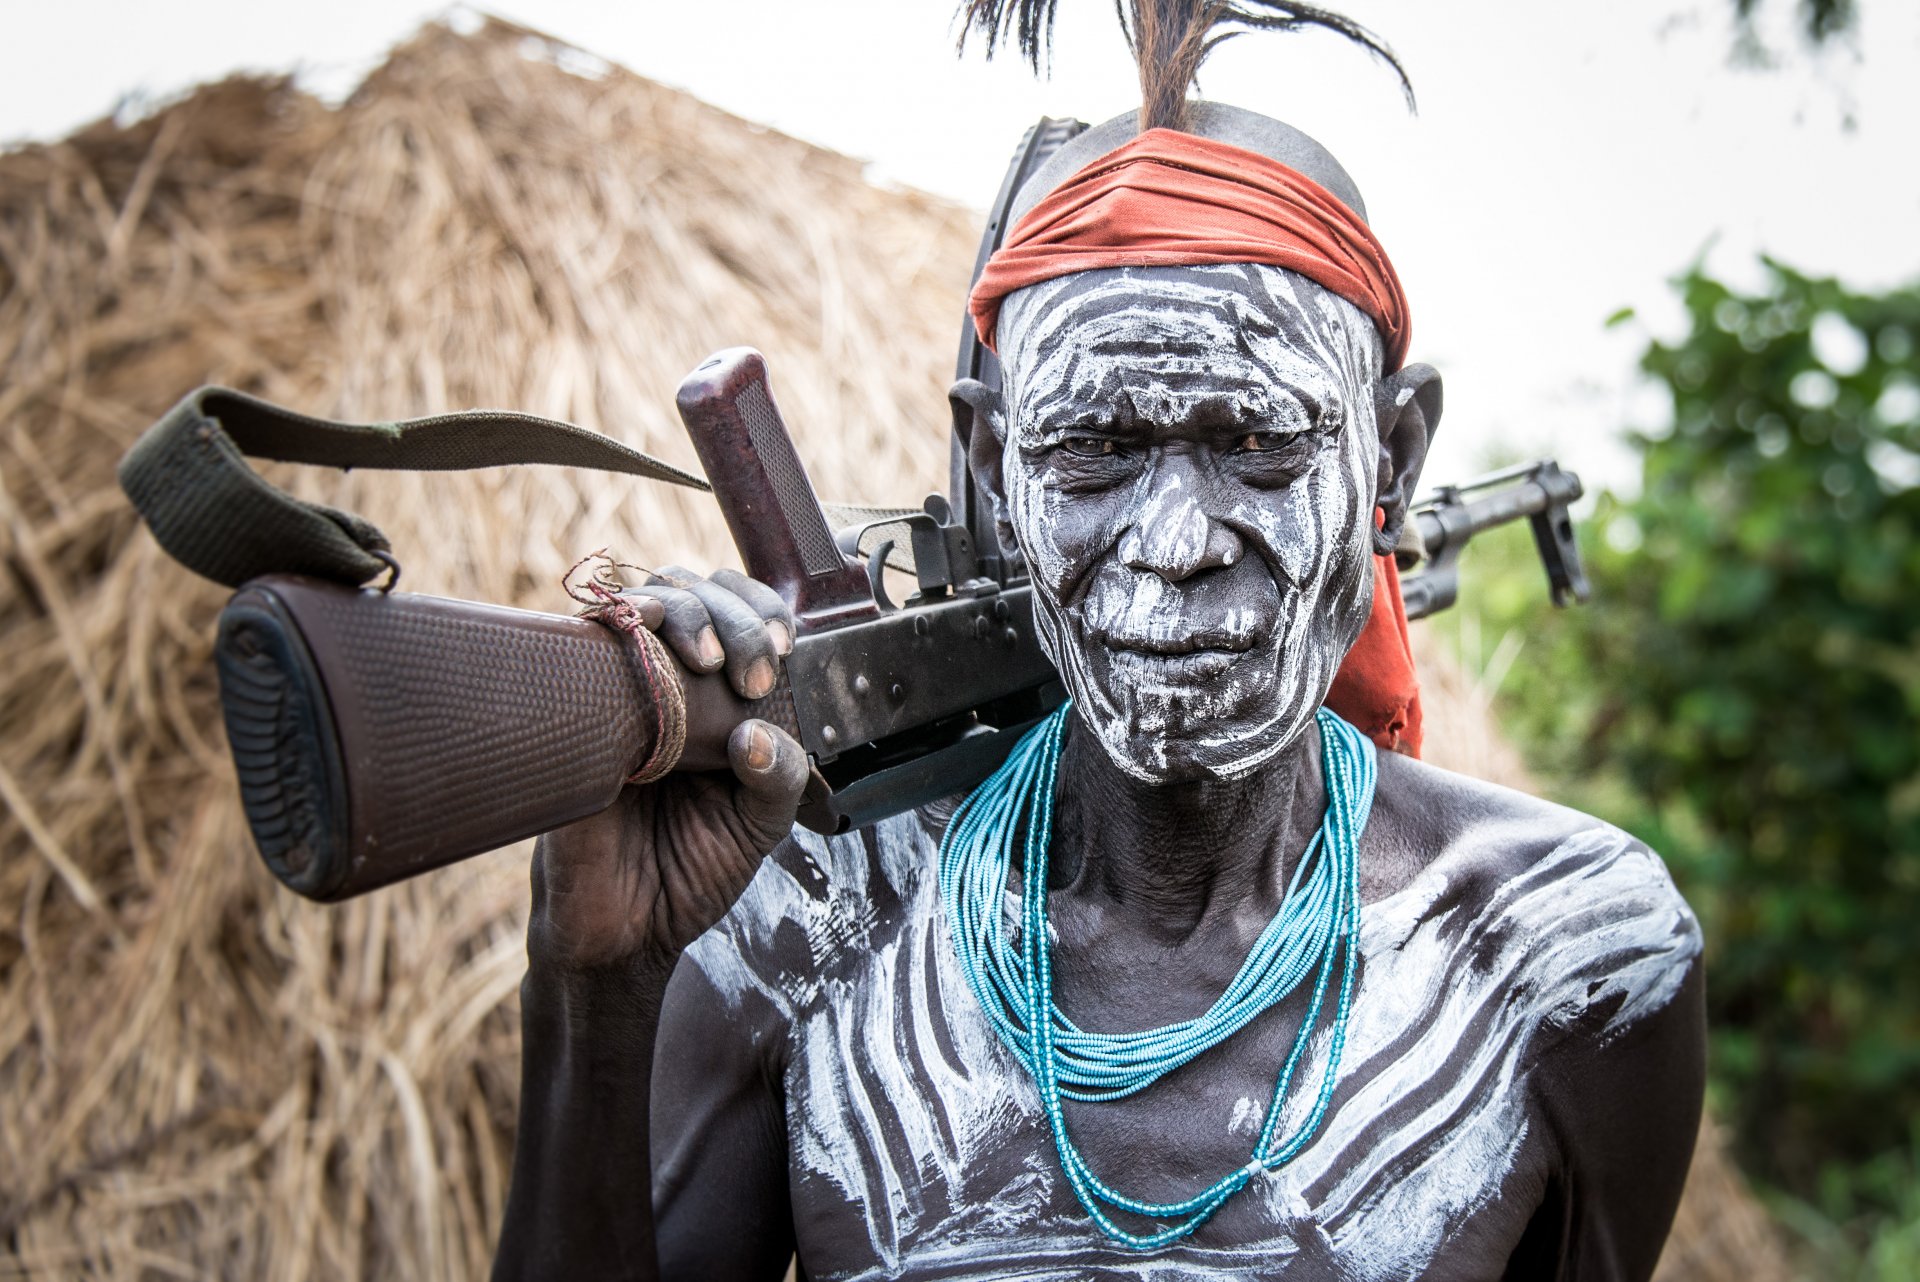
x=1424, y=815
x=1581, y=918
x=815, y=907
x=1487, y=839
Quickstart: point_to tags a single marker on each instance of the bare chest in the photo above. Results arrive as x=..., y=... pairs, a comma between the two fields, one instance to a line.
x=919, y=1147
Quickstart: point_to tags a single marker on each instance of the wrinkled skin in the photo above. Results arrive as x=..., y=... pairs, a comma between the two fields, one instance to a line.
x=1192, y=461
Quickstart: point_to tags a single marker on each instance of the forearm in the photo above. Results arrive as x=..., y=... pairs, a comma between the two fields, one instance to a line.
x=581, y=1200
x=617, y=897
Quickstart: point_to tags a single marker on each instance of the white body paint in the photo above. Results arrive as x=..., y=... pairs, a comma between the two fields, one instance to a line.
x=1191, y=461
x=913, y=1131
x=1306, y=367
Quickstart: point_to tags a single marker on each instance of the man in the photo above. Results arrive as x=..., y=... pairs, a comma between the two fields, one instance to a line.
x=1483, y=1059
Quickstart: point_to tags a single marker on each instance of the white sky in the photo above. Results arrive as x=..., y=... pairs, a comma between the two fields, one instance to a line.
x=1566, y=160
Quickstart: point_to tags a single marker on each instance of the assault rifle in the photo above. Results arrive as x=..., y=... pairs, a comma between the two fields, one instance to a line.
x=379, y=734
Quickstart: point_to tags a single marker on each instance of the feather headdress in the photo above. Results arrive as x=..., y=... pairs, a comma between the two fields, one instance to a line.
x=1170, y=39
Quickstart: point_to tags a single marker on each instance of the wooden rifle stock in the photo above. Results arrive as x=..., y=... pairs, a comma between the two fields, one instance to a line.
x=380, y=735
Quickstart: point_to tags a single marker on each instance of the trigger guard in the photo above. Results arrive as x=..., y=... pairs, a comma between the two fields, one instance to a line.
x=876, y=573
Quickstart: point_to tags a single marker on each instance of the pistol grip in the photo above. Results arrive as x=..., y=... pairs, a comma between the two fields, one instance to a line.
x=764, y=493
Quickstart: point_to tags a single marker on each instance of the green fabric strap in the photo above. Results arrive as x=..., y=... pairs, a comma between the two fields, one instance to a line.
x=188, y=478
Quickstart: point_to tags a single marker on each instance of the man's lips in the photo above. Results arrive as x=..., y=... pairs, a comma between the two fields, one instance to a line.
x=1195, y=658
x=1220, y=641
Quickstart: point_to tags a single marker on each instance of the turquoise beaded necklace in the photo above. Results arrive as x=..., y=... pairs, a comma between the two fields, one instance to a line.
x=1318, y=923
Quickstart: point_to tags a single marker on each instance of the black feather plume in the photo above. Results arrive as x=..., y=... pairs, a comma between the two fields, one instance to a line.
x=1027, y=23
x=1169, y=39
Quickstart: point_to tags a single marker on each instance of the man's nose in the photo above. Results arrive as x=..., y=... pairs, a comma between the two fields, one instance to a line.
x=1174, y=538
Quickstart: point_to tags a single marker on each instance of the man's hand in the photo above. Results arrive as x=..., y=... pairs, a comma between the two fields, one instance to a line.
x=644, y=878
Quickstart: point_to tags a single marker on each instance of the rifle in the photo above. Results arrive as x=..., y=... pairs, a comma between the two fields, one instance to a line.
x=1440, y=524
x=380, y=734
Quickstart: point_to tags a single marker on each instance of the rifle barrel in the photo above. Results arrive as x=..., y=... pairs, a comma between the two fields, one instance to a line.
x=1448, y=519
x=1538, y=492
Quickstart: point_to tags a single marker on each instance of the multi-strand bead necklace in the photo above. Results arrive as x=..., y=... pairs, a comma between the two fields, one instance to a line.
x=1318, y=923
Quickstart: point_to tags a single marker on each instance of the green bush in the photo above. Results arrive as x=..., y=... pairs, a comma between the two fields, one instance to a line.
x=1744, y=692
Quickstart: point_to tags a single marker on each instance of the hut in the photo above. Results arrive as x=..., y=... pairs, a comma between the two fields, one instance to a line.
x=201, y=1075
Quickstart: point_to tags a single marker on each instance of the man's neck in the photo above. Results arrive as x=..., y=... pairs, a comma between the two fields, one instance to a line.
x=1172, y=859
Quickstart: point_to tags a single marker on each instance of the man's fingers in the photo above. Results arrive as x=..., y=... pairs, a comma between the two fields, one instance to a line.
x=728, y=619
x=763, y=601
x=752, y=662
x=652, y=613
x=684, y=625
x=772, y=770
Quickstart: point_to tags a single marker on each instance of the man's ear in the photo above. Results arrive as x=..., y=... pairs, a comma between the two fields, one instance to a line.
x=1407, y=408
x=981, y=421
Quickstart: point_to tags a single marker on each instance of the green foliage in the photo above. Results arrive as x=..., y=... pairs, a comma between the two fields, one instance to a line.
x=1861, y=1224
x=1744, y=692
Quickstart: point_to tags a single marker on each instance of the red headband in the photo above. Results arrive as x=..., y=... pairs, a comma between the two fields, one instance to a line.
x=1169, y=199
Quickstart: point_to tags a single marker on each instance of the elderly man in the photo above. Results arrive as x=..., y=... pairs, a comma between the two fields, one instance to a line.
x=1201, y=983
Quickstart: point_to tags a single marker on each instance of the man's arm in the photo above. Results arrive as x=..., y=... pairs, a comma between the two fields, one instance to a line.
x=713, y=1121
x=579, y=1204
x=720, y=1199
x=1623, y=1117
x=617, y=899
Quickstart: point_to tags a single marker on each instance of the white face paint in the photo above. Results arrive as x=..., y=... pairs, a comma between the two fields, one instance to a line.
x=1191, y=461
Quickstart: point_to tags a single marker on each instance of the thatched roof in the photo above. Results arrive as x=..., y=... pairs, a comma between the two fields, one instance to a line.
x=200, y=1074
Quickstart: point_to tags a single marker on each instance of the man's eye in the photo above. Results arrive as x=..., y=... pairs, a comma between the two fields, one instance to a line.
x=1260, y=442
x=1088, y=446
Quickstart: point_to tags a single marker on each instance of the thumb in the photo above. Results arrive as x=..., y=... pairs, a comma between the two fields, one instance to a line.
x=772, y=770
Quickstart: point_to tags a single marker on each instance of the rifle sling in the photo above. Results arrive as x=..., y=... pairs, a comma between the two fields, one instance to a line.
x=188, y=478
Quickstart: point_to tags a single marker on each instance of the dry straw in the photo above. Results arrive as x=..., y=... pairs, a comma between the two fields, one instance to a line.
x=201, y=1075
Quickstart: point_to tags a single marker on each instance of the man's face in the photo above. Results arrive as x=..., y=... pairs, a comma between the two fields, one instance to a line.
x=1190, y=464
